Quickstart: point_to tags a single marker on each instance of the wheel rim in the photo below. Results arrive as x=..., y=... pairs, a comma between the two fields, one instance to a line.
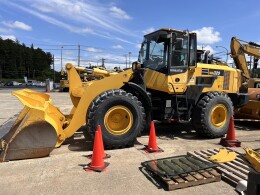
x=118, y=120
x=219, y=115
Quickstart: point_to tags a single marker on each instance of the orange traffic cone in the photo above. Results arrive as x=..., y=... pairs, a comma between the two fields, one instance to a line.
x=104, y=155
x=97, y=163
x=152, y=144
x=230, y=140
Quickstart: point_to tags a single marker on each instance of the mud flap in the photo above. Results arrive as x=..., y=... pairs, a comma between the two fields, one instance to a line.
x=36, y=131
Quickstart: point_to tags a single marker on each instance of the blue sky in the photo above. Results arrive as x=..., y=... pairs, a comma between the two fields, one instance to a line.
x=111, y=29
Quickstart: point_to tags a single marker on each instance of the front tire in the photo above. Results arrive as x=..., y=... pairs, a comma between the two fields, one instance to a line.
x=212, y=114
x=120, y=115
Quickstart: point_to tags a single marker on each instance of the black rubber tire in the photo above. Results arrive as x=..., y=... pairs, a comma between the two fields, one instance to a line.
x=102, y=104
x=201, y=114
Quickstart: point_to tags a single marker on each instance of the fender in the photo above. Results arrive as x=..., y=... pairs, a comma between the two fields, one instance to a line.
x=142, y=95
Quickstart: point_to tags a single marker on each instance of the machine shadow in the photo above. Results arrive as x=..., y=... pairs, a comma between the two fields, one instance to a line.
x=79, y=143
x=164, y=131
x=247, y=125
x=172, y=131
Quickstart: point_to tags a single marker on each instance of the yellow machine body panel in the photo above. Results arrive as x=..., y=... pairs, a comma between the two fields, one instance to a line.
x=226, y=79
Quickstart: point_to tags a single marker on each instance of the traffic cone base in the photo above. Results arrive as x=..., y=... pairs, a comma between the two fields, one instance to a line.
x=152, y=150
x=104, y=157
x=230, y=143
x=230, y=139
x=89, y=168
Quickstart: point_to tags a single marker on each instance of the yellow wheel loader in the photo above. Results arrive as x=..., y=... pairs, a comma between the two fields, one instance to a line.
x=166, y=83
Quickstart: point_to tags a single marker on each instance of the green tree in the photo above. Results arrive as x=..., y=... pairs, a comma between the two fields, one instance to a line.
x=17, y=60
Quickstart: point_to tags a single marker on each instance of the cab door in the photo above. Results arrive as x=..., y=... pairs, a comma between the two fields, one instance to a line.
x=182, y=64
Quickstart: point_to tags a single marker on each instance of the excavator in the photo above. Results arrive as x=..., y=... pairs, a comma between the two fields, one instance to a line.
x=166, y=83
x=251, y=111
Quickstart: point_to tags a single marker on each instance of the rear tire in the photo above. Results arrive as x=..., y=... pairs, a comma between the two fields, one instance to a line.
x=120, y=115
x=212, y=114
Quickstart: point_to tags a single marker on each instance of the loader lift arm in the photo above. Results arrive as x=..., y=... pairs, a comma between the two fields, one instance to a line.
x=82, y=97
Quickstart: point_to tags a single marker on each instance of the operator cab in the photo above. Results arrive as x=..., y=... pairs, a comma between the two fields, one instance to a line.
x=169, y=51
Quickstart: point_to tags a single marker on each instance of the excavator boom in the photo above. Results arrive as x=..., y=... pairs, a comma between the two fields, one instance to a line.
x=238, y=51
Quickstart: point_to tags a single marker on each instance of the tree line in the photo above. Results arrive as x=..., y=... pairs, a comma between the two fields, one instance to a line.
x=17, y=60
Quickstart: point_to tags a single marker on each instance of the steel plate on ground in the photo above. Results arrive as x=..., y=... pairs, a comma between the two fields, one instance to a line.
x=173, y=166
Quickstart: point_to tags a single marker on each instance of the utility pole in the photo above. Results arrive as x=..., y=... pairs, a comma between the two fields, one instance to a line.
x=61, y=58
x=129, y=59
x=125, y=60
x=53, y=68
x=103, y=62
x=78, y=55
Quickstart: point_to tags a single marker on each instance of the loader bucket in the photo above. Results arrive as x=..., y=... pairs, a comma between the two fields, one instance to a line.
x=36, y=131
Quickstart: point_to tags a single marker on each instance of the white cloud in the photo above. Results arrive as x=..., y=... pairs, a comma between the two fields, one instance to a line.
x=73, y=14
x=17, y=24
x=12, y=37
x=207, y=35
x=119, y=13
x=42, y=8
x=82, y=12
x=207, y=47
x=138, y=46
x=93, y=50
x=68, y=53
x=117, y=47
x=83, y=30
x=5, y=30
x=149, y=30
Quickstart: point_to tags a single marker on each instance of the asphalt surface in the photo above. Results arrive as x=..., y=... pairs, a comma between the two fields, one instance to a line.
x=62, y=172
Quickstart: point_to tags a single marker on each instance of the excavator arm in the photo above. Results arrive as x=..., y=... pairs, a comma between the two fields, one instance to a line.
x=238, y=51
